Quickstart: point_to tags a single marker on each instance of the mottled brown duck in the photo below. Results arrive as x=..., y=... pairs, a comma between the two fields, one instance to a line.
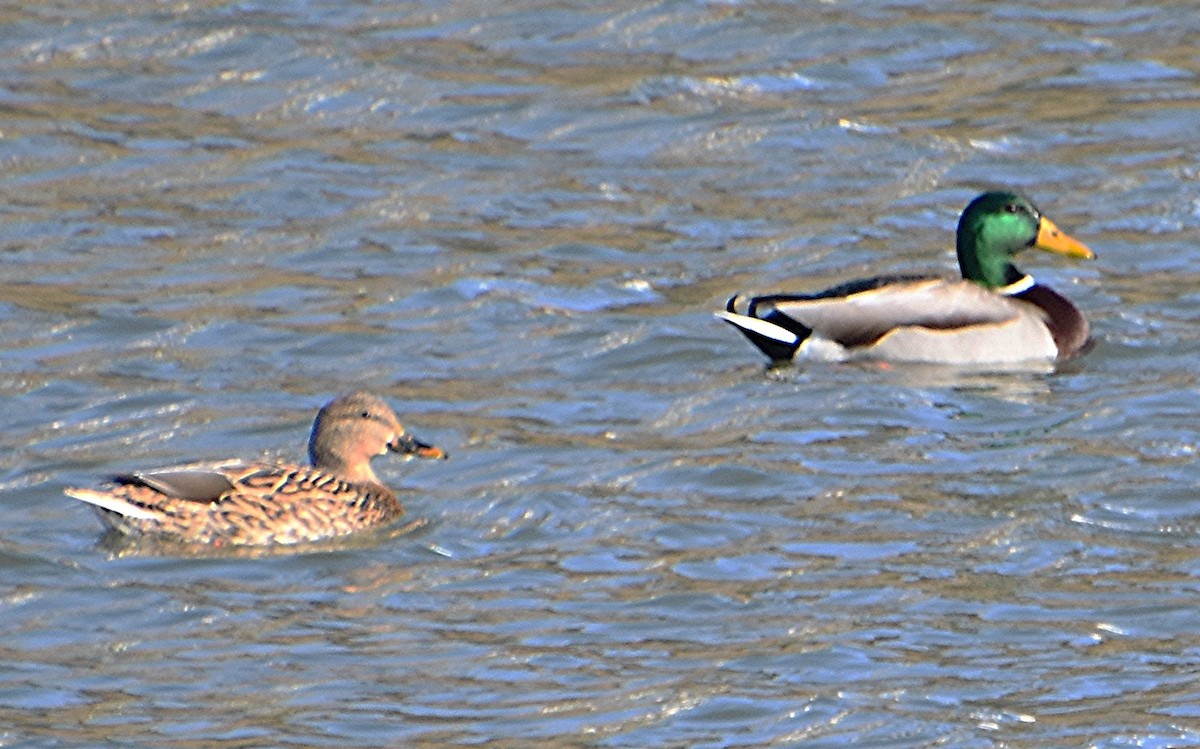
x=239, y=503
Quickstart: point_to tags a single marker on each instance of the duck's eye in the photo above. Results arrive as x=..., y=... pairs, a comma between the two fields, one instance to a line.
x=365, y=414
x=1012, y=208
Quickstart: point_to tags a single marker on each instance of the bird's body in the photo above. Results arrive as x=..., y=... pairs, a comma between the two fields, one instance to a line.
x=994, y=314
x=256, y=504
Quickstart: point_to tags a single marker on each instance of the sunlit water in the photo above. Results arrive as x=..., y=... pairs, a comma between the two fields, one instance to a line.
x=513, y=220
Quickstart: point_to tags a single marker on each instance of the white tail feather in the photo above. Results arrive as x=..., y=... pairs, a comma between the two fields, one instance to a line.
x=762, y=327
x=111, y=503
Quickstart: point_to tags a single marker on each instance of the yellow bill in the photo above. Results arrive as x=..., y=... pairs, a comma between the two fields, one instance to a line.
x=1052, y=239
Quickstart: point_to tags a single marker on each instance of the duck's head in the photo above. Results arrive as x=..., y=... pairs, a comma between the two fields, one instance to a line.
x=352, y=429
x=995, y=226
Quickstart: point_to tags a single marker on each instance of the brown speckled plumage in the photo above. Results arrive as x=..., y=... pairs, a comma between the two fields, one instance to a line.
x=259, y=504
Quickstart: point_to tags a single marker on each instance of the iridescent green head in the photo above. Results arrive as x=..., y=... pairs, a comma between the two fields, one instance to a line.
x=995, y=226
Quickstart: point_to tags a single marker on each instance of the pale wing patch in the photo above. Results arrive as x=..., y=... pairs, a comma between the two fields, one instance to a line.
x=862, y=318
x=196, y=484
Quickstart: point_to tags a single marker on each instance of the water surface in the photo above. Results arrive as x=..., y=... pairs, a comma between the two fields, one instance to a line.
x=513, y=220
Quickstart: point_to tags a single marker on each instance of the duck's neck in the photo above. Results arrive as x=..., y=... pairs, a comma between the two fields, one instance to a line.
x=355, y=472
x=1020, y=286
x=980, y=257
x=990, y=270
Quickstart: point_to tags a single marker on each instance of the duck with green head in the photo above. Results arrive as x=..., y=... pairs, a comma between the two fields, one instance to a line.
x=995, y=314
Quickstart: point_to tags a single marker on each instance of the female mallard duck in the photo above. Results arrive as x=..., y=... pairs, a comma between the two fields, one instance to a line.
x=256, y=504
x=996, y=314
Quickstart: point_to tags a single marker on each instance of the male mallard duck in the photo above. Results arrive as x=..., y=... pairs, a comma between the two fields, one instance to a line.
x=256, y=504
x=996, y=314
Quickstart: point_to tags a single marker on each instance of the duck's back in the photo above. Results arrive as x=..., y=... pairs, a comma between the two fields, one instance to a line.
x=241, y=504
